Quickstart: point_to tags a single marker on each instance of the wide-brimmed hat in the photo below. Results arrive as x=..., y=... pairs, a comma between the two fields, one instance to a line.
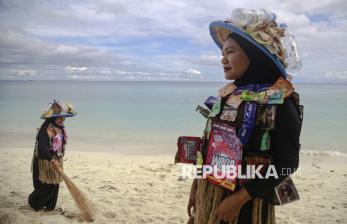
x=259, y=28
x=58, y=108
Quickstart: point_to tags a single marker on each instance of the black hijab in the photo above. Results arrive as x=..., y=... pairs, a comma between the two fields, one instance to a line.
x=261, y=69
x=46, y=123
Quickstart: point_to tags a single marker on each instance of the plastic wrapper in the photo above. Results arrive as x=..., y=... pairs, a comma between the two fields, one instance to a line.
x=216, y=108
x=224, y=149
x=187, y=149
x=249, y=120
x=270, y=96
x=203, y=111
x=210, y=101
x=252, y=159
x=266, y=116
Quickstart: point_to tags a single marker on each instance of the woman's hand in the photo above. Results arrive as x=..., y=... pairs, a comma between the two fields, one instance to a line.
x=191, y=201
x=230, y=207
x=55, y=164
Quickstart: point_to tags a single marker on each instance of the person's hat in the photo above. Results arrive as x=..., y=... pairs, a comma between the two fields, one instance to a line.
x=259, y=28
x=58, y=109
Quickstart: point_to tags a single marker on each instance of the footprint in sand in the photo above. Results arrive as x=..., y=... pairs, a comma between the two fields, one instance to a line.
x=70, y=215
x=8, y=218
x=107, y=187
x=25, y=209
x=159, y=169
x=109, y=215
x=105, y=201
x=162, y=176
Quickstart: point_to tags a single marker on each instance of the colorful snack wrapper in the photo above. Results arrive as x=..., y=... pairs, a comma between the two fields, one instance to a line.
x=285, y=192
x=255, y=160
x=224, y=149
x=199, y=159
x=283, y=85
x=203, y=111
x=274, y=96
x=251, y=87
x=270, y=96
x=187, y=149
x=265, y=141
x=249, y=119
x=210, y=101
x=216, y=108
x=229, y=113
x=266, y=116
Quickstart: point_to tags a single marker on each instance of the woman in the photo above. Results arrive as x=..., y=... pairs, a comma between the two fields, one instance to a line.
x=262, y=108
x=48, y=156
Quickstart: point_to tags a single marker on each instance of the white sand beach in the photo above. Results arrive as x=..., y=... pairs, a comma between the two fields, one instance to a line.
x=148, y=189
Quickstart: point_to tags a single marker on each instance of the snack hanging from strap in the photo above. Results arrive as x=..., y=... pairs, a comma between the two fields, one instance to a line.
x=270, y=96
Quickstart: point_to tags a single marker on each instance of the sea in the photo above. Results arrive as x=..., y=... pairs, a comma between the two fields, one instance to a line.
x=148, y=117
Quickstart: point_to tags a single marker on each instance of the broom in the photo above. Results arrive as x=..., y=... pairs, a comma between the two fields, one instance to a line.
x=82, y=202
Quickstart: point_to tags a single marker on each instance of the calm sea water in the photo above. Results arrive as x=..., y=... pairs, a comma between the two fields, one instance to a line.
x=126, y=117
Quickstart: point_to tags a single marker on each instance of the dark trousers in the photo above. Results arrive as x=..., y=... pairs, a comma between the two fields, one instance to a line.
x=44, y=195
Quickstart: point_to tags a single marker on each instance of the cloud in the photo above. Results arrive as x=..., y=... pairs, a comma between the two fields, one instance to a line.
x=193, y=72
x=74, y=69
x=26, y=73
x=64, y=49
x=209, y=59
x=341, y=75
x=137, y=40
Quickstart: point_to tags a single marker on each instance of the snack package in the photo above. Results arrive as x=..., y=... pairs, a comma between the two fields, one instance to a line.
x=284, y=85
x=270, y=96
x=229, y=111
x=203, y=111
x=265, y=141
x=224, y=149
x=249, y=120
x=266, y=116
x=187, y=149
x=216, y=108
x=255, y=160
x=285, y=192
x=210, y=101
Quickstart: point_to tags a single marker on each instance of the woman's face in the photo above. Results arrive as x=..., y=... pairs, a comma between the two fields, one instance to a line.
x=60, y=121
x=234, y=60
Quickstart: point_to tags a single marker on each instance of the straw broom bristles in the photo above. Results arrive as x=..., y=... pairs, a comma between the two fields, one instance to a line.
x=83, y=204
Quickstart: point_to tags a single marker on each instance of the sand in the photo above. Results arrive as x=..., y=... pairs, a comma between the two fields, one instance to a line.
x=149, y=189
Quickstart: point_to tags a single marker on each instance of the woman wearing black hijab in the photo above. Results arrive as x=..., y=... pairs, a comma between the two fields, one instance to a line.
x=261, y=70
x=247, y=65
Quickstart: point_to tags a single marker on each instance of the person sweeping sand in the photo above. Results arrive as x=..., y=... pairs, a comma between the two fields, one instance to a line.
x=48, y=156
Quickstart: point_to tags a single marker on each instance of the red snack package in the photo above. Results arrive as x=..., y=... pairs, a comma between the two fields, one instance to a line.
x=256, y=160
x=187, y=149
x=225, y=149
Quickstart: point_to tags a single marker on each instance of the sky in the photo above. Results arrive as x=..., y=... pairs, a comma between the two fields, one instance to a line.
x=162, y=40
